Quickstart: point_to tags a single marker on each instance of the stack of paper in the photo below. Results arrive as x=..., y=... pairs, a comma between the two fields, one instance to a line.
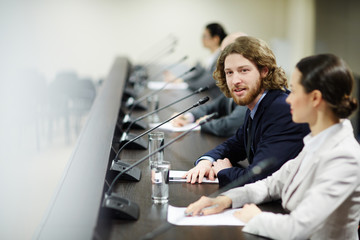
x=176, y=176
x=176, y=215
x=158, y=84
x=169, y=127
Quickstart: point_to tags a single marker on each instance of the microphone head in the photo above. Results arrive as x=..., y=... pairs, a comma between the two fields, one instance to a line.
x=191, y=69
x=263, y=166
x=212, y=116
x=202, y=89
x=203, y=100
x=208, y=118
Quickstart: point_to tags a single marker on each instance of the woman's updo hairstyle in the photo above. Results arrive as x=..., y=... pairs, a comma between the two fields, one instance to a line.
x=333, y=78
x=215, y=29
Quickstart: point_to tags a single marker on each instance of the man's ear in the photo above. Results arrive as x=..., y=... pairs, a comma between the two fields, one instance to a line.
x=264, y=72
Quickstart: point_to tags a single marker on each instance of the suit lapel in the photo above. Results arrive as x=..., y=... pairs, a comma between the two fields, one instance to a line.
x=291, y=177
x=296, y=178
x=265, y=102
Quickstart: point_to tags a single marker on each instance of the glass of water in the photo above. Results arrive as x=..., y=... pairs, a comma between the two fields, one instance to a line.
x=156, y=140
x=153, y=104
x=160, y=182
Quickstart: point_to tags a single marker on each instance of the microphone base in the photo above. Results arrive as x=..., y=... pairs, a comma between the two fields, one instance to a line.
x=138, y=144
x=119, y=208
x=139, y=106
x=137, y=125
x=129, y=93
x=133, y=174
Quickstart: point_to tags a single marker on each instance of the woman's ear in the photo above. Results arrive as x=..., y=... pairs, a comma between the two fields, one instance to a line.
x=316, y=97
x=217, y=39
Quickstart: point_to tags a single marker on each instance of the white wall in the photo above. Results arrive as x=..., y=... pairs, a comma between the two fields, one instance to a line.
x=87, y=35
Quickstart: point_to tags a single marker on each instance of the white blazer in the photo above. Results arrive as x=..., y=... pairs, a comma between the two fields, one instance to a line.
x=324, y=201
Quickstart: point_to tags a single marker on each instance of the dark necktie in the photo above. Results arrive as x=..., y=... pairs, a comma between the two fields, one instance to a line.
x=249, y=140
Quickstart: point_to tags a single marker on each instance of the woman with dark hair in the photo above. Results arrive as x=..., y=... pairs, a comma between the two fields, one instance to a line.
x=212, y=38
x=320, y=187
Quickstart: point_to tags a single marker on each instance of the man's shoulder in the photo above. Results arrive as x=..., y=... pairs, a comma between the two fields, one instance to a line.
x=275, y=110
x=277, y=93
x=275, y=99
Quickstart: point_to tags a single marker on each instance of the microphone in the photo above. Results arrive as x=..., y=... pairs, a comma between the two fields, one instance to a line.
x=117, y=207
x=167, y=48
x=139, y=146
x=132, y=103
x=127, y=93
x=159, y=45
x=135, y=173
x=139, y=74
x=262, y=167
x=158, y=74
x=166, y=51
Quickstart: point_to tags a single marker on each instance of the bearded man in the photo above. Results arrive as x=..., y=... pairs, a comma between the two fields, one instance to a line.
x=247, y=71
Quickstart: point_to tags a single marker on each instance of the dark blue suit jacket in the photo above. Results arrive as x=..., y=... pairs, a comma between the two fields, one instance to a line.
x=274, y=135
x=230, y=116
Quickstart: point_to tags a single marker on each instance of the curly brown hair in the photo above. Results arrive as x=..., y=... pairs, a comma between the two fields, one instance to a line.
x=257, y=51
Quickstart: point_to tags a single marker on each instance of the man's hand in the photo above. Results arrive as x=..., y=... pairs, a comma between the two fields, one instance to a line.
x=170, y=77
x=197, y=173
x=180, y=121
x=221, y=164
x=247, y=212
x=202, y=118
x=206, y=206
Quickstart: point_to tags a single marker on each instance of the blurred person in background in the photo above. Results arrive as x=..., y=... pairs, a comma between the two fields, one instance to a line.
x=212, y=38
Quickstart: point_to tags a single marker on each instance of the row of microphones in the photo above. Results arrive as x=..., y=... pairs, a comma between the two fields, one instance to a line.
x=139, y=74
x=140, y=145
x=165, y=52
x=264, y=166
x=159, y=73
x=199, y=90
x=118, y=207
x=135, y=174
x=130, y=95
x=132, y=103
x=166, y=48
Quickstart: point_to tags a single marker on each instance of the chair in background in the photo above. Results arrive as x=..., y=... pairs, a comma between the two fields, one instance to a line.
x=82, y=96
x=59, y=93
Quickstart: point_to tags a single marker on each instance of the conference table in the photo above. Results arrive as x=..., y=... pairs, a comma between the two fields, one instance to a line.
x=74, y=211
x=181, y=155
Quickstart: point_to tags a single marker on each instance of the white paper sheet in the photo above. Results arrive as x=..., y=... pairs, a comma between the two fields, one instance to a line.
x=175, y=176
x=154, y=85
x=169, y=127
x=176, y=216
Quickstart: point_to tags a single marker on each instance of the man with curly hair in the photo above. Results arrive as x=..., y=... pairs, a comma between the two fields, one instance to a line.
x=247, y=71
